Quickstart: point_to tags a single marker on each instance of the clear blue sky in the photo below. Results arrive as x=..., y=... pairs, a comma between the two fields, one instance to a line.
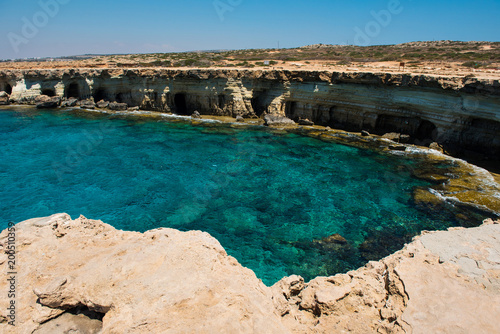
x=125, y=26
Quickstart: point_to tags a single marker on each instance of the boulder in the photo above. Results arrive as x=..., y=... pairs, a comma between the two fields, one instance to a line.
x=365, y=133
x=47, y=102
x=87, y=104
x=305, y=122
x=437, y=147
x=133, y=109
x=118, y=106
x=196, y=114
x=394, y=136
x=275, y=120
x=240, y=119
x=102, y=104
x=71, y=102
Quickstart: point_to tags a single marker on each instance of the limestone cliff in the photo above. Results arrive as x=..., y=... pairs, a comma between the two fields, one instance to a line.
x=83, y=276
x=460, y=113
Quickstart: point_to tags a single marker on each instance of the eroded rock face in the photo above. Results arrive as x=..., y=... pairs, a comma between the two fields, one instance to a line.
x=83, y=275
x=460, y=113
x=162, y=281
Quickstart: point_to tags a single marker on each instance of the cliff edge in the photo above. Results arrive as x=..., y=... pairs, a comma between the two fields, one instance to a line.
x=84, y=276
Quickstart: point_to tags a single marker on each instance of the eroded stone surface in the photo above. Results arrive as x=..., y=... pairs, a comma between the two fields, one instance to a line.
x=166, y=281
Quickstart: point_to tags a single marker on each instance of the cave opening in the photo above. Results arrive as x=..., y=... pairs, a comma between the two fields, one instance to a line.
x=290, y=108
x=258, y=103
x=180, y=104
x=119, y=98
x=222, y=101
x=426, y=131
x=8, y=89
x=99, y=94
x=73, y=90
x=49, y=92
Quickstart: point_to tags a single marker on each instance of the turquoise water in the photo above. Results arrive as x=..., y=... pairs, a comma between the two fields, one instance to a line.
x=269, y=199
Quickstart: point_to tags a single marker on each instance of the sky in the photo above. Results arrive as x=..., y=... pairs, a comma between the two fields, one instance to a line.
x=52, y=28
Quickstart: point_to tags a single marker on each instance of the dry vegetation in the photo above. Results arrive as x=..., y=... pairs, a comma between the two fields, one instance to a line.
x=442, y=57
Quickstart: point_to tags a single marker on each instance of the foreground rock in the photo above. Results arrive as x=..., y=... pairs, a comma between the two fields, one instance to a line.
x=84, y=276
x=47, y=102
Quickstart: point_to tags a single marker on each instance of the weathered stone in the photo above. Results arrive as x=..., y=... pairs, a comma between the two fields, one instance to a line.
x=365, y=133
x=273, y=120
x=436, y=146
x=71, y=102
x=102, y=104
x=196, y=114
x=240, y=119
x=133, y=109
x=392, y=136
x=87, y=104
x=118, y=106
x=98, y=279
x=47, y=102
x=160, y=281
x=412, y=104
x=305, y=122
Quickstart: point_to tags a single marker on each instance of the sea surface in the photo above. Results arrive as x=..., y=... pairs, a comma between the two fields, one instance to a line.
x=269, y=199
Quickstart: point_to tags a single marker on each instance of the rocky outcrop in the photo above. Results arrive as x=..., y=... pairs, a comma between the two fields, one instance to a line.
x=83, y=275
x=460, y=113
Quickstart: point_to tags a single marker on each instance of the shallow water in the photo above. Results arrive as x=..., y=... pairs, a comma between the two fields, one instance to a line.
x=269, y=199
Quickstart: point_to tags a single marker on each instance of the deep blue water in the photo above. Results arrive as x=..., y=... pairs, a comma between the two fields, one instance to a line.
x=265, y=197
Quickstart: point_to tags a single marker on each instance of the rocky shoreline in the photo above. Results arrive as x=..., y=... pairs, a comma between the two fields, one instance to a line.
x=459, y=113
x=83, y=275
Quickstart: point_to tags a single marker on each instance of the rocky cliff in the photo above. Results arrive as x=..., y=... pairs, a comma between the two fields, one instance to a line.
x=83, y=276
x=458, y=112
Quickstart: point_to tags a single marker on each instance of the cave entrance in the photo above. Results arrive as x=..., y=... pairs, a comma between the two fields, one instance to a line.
x=180, y=104
x=8, y=89
x=290, y=109
x=48, y=92
x=99, y=94
x=73, y=91
x=119, y=98
x=426, y=130
x=258, y=103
